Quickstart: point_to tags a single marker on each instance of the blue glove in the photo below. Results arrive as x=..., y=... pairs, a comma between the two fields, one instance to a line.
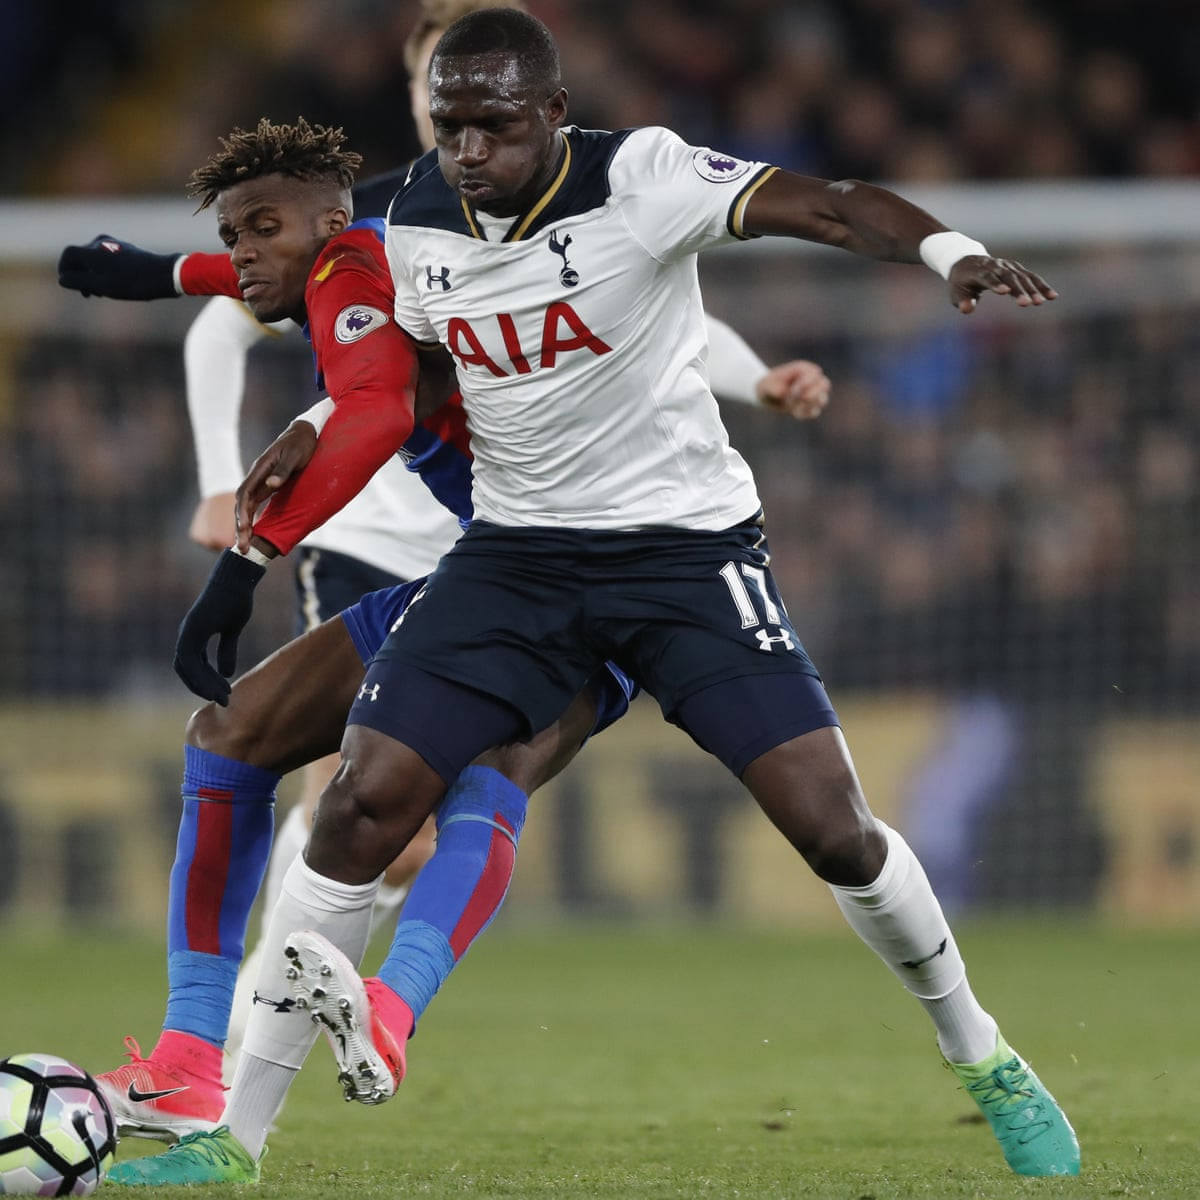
x=109, y=267
x=222, y=609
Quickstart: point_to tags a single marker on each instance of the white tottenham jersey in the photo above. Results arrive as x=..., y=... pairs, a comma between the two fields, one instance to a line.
x=579, y=335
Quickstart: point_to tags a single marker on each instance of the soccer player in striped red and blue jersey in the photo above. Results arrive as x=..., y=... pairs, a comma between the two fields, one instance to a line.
x=297, y=254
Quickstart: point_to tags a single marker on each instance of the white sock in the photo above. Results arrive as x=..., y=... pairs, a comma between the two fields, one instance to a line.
x=899, y=917
x=277, y=1032
x=290, y=838
x=258, y=1092
x=966, y=1034
x=239, y=1012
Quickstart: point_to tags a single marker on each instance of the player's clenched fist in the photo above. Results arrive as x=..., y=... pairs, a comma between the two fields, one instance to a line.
x=799, y=388
x=106, y=266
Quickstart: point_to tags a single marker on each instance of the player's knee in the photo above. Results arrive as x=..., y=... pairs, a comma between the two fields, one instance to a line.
x=366, y=791
x=366, y=817
x=209, y=728
x=846, y=846
x=228, y=733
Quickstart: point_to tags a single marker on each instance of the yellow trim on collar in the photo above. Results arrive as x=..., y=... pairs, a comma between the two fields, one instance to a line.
x=547, y=196
x=471, y=219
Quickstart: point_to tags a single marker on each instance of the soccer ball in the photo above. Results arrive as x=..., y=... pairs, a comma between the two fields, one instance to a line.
x=57, y=1133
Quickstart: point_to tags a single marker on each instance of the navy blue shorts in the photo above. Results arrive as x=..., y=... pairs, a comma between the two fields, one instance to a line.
x=371, y=619
x=527, y=616
x=328, y=582
x=376, y=614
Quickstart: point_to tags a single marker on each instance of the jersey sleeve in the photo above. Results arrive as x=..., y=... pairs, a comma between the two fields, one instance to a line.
x=370, y=370
x=677, y=199
x=208, y=275
x=409, y=314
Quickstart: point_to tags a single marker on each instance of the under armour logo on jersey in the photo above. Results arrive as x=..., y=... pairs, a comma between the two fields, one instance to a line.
x=568, y=277
x=369, y=693
x=442, y=277
x=768, y=643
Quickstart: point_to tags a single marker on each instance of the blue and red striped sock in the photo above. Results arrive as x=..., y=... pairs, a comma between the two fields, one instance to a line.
x=459, y=890
x=224, y=843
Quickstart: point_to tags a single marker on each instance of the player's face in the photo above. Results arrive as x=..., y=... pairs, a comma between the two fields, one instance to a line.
x=274, y=227
x=496, y=137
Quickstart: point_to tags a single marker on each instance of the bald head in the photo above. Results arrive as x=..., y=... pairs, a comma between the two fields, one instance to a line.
x=504, y=35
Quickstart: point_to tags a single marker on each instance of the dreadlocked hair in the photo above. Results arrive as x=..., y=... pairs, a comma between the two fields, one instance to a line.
x=303, y=151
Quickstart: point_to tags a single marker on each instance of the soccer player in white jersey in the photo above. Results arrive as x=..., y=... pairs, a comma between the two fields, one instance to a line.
x=297, y=701
x=613, y=520
x=364, y=547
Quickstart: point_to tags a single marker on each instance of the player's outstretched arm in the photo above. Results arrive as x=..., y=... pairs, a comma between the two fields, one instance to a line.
x=107, y=266
x=306, y=486
x=873, y=221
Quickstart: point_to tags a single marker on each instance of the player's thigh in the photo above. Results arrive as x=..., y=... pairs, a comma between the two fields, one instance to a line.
x=374, y=806
x=289, y=709
x=808, y=788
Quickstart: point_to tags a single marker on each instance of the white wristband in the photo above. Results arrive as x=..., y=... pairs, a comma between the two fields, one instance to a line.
x=940, y=251
x=177, y=275
x=254, y=554
x=318, y=414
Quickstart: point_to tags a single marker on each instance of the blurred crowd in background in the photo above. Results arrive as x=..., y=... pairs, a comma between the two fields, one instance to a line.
x=131, y=95
x=1004, y=510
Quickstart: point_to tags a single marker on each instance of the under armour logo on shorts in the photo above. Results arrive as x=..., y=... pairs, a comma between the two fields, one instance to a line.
x=768, y=643
x=369, y=693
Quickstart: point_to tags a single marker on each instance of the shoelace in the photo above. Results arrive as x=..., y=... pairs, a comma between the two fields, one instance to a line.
x=1003, y=1087
x=208, y=1146
x=134, y=1052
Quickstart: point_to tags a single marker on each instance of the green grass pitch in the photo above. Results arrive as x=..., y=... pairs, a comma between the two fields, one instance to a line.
x=698, y=1061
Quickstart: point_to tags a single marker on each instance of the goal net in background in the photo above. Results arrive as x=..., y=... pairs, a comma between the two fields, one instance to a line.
x=989, y=544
